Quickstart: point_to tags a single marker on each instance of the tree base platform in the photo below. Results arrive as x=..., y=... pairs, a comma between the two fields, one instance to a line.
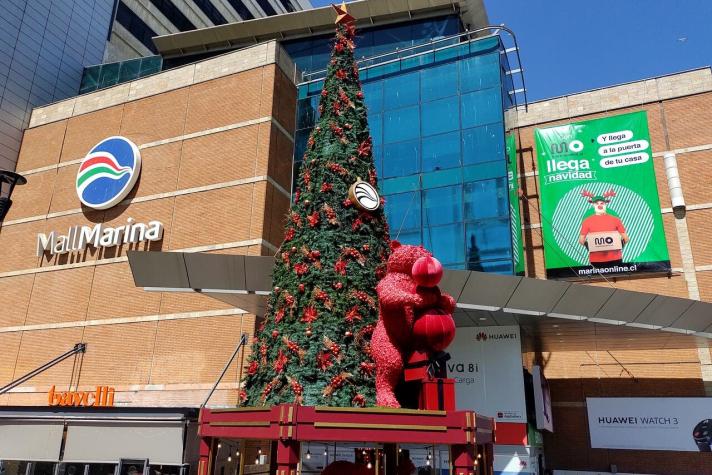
x=469, y=436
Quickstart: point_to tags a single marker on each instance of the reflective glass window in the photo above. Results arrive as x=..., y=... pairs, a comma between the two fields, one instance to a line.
x=481, y=107
x=441, y=152
x=489, y=239
x=375, y=125
x=486, y=199
x=300, y=143
x=403, y=211
x=413, y=238
x=497, y=267
x=377, y=153
x=306, y=112
x=480, y=72
x=445, y=242
x=440, y=116
x=402, y=90
x=438, y=82
x=129, y=70
x=442, y=205
x=109, y=75
x=483, y=144
x=401, y=159
x=373, y=96
x=401, y=124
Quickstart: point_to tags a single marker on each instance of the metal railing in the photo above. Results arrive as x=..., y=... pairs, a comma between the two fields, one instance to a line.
x=440, y=44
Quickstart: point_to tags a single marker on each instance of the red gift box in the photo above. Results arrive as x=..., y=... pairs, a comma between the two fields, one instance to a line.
x=416, y=369
x=438, y=394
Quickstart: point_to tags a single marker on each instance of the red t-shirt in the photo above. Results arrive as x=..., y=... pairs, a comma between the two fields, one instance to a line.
x=599, y=223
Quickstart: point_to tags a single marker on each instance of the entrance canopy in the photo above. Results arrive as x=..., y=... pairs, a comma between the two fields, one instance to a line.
x=552, y=315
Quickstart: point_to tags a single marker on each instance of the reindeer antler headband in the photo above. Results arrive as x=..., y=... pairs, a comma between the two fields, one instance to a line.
x=606, y=197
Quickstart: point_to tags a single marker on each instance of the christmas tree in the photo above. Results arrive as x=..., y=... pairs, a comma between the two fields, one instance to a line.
x=313, y=347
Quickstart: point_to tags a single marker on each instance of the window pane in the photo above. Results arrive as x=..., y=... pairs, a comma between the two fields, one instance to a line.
x=442, y=205
x=403, y=212
x=402, y=90
x=401, y=159
x=480, y=72
x=438, y=82
x=375, y=125
x=441, y=152
x=306, y=112
x=489, y=240
x=373, y=96
x=413, y=238
x=401, y=124
x=441, y=116
x=446, y=243
x=483, y=144
x=486, y=199
x=481, y=107
x=496, y=267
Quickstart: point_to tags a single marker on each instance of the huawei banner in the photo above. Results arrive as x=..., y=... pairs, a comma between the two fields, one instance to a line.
x=487, y=366
x=683, y=424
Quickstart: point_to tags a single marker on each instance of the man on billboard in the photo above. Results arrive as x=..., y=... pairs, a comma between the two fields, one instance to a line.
x=601, y=233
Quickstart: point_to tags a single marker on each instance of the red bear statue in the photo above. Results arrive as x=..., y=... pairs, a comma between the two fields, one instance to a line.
x=402, y=300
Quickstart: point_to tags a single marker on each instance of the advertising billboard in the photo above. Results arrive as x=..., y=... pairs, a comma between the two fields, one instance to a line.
x=674, y=423
x=487, y=366
x=515, y=216
x=600, y=209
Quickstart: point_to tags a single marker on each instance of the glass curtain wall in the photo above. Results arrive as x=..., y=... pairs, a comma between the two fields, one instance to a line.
x=438, y=129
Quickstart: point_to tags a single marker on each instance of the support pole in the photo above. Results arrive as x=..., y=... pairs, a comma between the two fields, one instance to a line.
x=288, y=453
x=463, y=459
x=205, y=453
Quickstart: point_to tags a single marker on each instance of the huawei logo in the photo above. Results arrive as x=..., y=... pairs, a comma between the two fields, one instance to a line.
x=481, y=336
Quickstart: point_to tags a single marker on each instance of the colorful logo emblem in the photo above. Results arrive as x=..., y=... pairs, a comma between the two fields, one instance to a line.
x=108, y=173
x=481, y=336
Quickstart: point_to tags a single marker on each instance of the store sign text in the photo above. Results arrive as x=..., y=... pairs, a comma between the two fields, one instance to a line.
x=102, y=397
x=79, y=237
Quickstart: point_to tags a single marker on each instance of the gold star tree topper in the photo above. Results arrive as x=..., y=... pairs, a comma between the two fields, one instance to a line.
x=342, y=14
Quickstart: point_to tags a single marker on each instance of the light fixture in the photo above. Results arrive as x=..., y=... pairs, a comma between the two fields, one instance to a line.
x=427, y=462
x=257, y=461
x=479, y=456
x=429, y=456
x=237, y=453
x=229, y=458
x=308, y=454
x=369, y=465
x=8, y=180
x=219, y=446
x=364, y=452
x=400, y=450
x=325, y=452
x=259, y=451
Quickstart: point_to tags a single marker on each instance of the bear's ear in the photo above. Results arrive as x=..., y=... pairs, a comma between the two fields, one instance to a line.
x=394, y=245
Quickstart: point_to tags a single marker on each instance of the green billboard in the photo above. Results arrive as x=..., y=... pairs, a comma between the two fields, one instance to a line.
x=514, y=213
x=600, y=211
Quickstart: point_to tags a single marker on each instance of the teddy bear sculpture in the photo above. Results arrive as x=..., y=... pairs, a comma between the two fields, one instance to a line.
x=408, y=291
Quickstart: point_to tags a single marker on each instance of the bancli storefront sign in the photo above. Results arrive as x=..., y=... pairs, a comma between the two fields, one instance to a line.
x=105, y=177
x=486, y=364
x=651, y=423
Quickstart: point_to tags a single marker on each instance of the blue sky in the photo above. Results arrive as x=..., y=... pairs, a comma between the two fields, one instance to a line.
x=571, y=45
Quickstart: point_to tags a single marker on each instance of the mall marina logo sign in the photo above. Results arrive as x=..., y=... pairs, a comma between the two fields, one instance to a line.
x=105, y=177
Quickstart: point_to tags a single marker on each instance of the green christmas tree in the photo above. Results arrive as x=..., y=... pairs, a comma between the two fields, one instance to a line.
x=313, y=346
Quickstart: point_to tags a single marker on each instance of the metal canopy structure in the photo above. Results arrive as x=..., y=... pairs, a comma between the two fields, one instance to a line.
x=314, y=21
x=553, y=315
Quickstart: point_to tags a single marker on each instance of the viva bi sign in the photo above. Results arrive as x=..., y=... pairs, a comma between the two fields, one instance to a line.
x=106, y=176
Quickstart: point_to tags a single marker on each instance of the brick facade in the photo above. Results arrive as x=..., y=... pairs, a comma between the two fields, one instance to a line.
x=679, y=112
x=216, y=171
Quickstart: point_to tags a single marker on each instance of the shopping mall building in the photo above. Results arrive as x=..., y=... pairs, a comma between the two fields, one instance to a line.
x=461, y=156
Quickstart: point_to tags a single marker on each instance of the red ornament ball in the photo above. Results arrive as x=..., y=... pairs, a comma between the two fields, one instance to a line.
x=427, y=271
x=348, y=334
x=434, y=330
x=301, y=288
x=275, y=334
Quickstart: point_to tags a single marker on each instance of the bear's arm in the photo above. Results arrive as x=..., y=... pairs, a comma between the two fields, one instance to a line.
x=447, y=303
x=392, y=295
